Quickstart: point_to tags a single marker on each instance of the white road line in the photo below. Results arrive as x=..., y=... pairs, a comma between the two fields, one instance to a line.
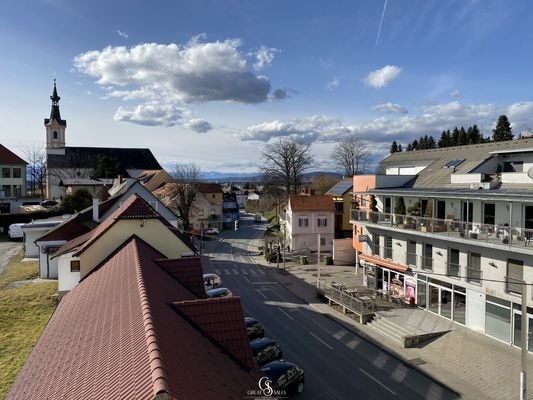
x=253, y=272
x=226, y=272
x=262, y=294
x=285, y=313
x=264, y=283
x=247, y=280
x=375, y=380
x=321, y=341
x=244, y=271
x=235, y=271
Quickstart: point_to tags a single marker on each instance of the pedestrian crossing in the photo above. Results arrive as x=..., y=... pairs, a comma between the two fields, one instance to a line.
x=236, y=271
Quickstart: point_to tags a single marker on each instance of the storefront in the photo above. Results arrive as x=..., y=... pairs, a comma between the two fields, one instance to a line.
x=388, y=277
x=442, y=298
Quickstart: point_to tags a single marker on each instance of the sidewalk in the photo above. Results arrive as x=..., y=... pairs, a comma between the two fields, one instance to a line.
x=470, y=363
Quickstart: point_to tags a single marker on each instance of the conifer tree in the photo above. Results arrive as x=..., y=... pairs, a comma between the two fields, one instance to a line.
x=503, y=130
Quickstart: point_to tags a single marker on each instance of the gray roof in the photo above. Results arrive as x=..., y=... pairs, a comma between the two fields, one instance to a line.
x=436, y=175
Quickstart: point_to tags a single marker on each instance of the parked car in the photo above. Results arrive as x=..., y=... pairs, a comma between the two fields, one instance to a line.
x=285, y=376
x=212, y=231
x=212, y=281
x=219, y=292
x=254, y=328
x=15, y=231
x=265, y=350
x=258, y=218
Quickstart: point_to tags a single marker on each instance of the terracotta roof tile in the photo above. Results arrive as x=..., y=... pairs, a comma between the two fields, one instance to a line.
x=115, y=335
x=210, y=188
x=188, y=271
x=7, y=157
x=311, y=203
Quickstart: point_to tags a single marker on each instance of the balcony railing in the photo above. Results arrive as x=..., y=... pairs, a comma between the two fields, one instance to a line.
x=454, y=269
x=513, y=285
x=501, y=234
x=474, y=275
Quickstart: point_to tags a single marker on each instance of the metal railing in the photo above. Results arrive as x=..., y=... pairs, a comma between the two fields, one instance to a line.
x=453, y=269
x=343, y=296
x=502, y=234
x=474, y=275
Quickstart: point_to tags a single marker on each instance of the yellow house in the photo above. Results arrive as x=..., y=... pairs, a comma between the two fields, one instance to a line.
x=135, y=217
x=342, y=198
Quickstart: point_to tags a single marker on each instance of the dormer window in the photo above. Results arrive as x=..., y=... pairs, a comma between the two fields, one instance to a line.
x=55, y=135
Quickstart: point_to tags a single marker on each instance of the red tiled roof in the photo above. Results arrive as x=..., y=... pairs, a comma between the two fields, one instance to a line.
x=188, y=271
x=9, y=158
x=222, y=320
x=116, y=336
x=73, y=244
x=311, y=203
x=66, y=231
x=209, y=188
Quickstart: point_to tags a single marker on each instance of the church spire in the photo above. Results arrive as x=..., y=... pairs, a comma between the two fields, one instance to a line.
x=55, y=115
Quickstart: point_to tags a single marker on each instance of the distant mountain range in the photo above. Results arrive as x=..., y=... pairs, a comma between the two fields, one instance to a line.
x=214, y=176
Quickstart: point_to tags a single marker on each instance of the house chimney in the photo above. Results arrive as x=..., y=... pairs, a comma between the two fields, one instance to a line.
x=96, y=215
x=104, y=193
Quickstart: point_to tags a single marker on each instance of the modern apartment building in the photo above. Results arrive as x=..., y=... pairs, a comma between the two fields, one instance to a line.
x=451, y=230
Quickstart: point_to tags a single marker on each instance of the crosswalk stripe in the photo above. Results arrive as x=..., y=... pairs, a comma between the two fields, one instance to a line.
x=244, y=271
x=235, y=271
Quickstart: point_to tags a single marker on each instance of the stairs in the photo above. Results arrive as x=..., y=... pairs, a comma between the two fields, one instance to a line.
x=389, y=329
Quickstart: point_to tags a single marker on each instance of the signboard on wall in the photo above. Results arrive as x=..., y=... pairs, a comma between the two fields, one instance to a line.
x=362, y=238
x=343, y=251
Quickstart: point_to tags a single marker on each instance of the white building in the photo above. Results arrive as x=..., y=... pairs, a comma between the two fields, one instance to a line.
x=460, y=246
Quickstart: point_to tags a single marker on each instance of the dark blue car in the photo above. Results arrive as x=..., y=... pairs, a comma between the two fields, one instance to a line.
x=285, y=376
x=265, y=350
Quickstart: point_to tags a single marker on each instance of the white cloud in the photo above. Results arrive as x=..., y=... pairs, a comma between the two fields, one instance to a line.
x=382, y=77
x=333, y=84
x=389, y=108
x=166, y=77
x=122, y=34
x=264, y=57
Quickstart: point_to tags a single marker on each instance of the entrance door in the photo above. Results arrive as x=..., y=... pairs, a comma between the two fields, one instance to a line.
x=441, y=209
x=434, y=298
x=440, y=301
x=517, y=330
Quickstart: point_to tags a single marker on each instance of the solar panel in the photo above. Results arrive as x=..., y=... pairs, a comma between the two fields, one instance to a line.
x=340, y=188
x=453, y=163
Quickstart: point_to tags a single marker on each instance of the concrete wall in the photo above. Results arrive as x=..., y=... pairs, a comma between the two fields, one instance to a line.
x=67, y=279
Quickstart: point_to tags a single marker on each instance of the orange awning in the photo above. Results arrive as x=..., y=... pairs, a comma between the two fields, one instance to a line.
x=383, y=263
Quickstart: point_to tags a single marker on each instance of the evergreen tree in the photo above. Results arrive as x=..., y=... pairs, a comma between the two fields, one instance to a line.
x=431, y=143
x=409, y=147
x=462, y=138
x=445, y=139
x=394, y=147
x=400, y=148
x=455, y=137
x=414, y=145
x=503, y=130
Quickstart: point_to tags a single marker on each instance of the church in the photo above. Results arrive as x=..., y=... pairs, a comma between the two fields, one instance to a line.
x=86, y=166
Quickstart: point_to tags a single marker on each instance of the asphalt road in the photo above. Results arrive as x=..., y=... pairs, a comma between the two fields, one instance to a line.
x=8, y=250
x=338, y=363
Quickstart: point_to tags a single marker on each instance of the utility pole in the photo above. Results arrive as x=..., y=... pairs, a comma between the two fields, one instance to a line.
x=283, y=244
x=523, y=340
x=318, y=274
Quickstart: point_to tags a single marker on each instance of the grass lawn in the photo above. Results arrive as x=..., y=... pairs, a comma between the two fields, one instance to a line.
x=24, y=311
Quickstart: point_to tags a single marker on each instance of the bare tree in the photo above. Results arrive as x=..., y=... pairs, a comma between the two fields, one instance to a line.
x=351, y=155
x=187, y=180
x=285, y=162
x=36, y=157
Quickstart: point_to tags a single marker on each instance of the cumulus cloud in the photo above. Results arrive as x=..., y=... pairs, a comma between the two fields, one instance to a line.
x=198, y=125
x=122, y=34
x=264, y=57
x=382, y=77
x=280, y=94
x=167, y=77
x=333, y=84
x=389, y=108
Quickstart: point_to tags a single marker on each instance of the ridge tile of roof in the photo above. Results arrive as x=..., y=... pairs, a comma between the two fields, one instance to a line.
x=311, y=203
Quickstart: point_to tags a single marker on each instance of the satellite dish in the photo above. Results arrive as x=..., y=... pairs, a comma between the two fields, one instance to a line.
x=530, y=172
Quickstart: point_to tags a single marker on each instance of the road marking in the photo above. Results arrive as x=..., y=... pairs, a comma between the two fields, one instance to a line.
x=226, y=272
x=264, y=283
x=285, y=313
x=247, y=280
x=378, y=382
x=235, y=271
x=321, y=341
x=244, y=271
x=261, y=293
x=217, y=271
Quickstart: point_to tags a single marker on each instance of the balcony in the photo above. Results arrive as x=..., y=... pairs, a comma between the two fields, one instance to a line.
x=506, y=235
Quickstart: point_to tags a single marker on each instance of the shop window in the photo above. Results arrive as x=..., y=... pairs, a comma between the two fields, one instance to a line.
x=459, y=307
x=498, y=318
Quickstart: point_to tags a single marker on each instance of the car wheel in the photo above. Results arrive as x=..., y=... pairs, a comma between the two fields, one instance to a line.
x=300, y=387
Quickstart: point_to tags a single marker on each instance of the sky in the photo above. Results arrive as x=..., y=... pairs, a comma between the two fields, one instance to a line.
x=214, y=82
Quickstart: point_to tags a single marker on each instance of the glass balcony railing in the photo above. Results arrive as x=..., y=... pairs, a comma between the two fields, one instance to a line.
x=501, y=234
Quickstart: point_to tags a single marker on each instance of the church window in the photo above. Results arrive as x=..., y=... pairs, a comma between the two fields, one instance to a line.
x=55, y=135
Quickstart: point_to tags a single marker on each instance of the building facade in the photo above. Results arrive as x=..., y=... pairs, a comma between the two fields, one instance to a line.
x=12, y=178
x=451, y=231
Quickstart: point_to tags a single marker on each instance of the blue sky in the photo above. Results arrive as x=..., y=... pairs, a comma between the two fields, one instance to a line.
x=212, y=82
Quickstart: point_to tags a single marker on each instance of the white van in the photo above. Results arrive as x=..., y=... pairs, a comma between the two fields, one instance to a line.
x=15, y=231
x=212, y=281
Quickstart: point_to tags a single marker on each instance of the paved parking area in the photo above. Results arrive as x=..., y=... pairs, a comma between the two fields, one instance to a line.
x=8, y=250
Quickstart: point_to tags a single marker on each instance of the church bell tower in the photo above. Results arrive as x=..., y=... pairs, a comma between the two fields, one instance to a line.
x=55, y=127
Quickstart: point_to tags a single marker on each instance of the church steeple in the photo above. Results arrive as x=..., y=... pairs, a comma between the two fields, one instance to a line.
x=55, y=127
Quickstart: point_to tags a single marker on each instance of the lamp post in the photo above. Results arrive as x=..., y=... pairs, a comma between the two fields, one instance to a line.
x=318, y=262
x=523, y=337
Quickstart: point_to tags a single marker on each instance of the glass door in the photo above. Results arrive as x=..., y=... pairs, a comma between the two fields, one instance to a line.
x=434, y=299
x=446, y=303
x=517, y=328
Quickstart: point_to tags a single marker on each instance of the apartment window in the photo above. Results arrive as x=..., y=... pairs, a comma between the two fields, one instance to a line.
x=474, y=268
x=74, y=265
x=303, y=221
x=6, y=172
x=7, y=190
x=375, y=244
x=428, y=256
x=411, y=252
x=515, y=276
x=17, y=172
x=388, y=247
x=322, y=221
x=322, y=241
x=489, y=213
x=454, y=269
x=339, y=206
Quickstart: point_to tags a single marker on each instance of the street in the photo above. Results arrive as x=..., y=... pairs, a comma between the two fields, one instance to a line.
x=338, y=363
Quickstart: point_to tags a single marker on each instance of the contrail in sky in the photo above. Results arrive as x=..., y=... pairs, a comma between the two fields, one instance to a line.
x=381, y=23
